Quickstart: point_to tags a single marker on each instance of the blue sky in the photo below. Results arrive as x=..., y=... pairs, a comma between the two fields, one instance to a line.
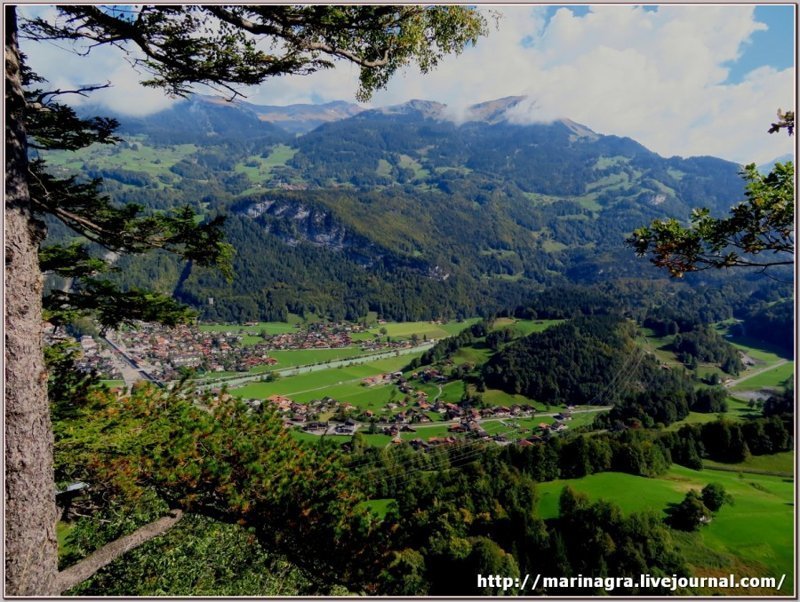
x=681, y=79
x=772, y=47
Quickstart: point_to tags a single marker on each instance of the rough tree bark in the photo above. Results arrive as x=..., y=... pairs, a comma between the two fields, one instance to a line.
x=30, y=512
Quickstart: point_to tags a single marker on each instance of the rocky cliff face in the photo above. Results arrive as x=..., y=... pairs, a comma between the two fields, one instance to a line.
x=296, y=222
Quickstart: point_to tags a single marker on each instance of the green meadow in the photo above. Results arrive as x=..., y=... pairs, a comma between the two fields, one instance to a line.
x=782, y=463
x=139, y=156
x=759, y=350
x=753, y=536
x=253, y=329
x=313, y=439
x=524, y=327
x=405, y=330
x=289, y=358
x=63, y=530
x=774, y=377
x=259, y=169
x=114, y=384
x=474, y=354
x=378, y=507
x=343, y=384
x=700, y=418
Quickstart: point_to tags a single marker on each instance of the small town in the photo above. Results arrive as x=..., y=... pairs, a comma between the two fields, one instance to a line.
x=169, y=353
x=164, y=354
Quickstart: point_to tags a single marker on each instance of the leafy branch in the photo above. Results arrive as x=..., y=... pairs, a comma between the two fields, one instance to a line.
x=759, y=233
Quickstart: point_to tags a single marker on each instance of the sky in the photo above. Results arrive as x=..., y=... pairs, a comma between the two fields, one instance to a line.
x=683, y=80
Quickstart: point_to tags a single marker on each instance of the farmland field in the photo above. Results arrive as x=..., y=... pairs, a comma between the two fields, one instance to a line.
x=343, y=384
x=288, y=358
x=309, y=438
x=268, y=327
x=774, y=377
x=699, y=418
x=113, y=384
x=378, y=507
x=753, y=535
x=472, y=354
x=780, y=463
x=524, y=327
x=154, y=161
x=404, y=330
x=496, y=397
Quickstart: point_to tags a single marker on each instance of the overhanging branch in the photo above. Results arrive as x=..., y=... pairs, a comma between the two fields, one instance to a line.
x=80, y=572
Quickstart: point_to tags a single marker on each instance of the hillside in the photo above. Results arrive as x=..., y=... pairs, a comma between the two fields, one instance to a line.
x=397, y=210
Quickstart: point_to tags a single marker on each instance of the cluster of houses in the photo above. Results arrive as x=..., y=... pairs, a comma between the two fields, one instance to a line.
x=164, y=351
x=316, y=336
x=94, y=357
x=305, y=414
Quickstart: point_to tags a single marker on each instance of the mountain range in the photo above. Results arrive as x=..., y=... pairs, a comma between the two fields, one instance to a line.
x=410, y=211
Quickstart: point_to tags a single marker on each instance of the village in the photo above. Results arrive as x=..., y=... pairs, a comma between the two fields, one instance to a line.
x=168, y=353
x=94, y=358
x=327, y=416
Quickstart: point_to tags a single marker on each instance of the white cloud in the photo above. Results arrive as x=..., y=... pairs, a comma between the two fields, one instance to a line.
x=66, y=69
x=656, y=76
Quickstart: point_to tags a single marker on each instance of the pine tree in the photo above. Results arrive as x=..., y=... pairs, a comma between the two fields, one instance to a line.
x=181, y=46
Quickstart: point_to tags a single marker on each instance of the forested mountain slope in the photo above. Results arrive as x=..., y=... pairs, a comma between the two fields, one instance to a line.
x=399, y=210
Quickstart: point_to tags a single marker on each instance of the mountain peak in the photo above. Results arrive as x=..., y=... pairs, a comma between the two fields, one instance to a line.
x=578, y=129
x=494, y=111
x=428, y=108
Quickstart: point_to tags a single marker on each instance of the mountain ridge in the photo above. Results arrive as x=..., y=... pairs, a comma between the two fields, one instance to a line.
x=399, y=210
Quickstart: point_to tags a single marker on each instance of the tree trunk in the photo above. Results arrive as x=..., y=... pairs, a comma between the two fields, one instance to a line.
x=30, y=512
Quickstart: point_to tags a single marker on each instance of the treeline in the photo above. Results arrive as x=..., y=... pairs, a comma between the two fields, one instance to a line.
x=633, y=452
x=453, y=519
x=650, y=453
x=445, y=348
x=703, y=344
x=772, y=323
x=584, y=360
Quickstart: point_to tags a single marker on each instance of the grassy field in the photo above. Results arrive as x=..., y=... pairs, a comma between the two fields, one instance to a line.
x=474, y=354
x=496, y=397
x=289, y=358
x=759, y=350
x=268, y=327
x=62, y=531
x=524, y=327
x=154, y=161
x=751, y=537
x=261, y=168
x=774, y=377
x=514, y=429
x=378, y=507
x=778, y=463
x=309, y=438
x=114, y=384
x=292, y=358
x=343, y=384
x=404, y=330
x=698, y=418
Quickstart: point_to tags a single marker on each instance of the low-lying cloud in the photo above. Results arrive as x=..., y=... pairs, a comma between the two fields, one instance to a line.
x=659, y=76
